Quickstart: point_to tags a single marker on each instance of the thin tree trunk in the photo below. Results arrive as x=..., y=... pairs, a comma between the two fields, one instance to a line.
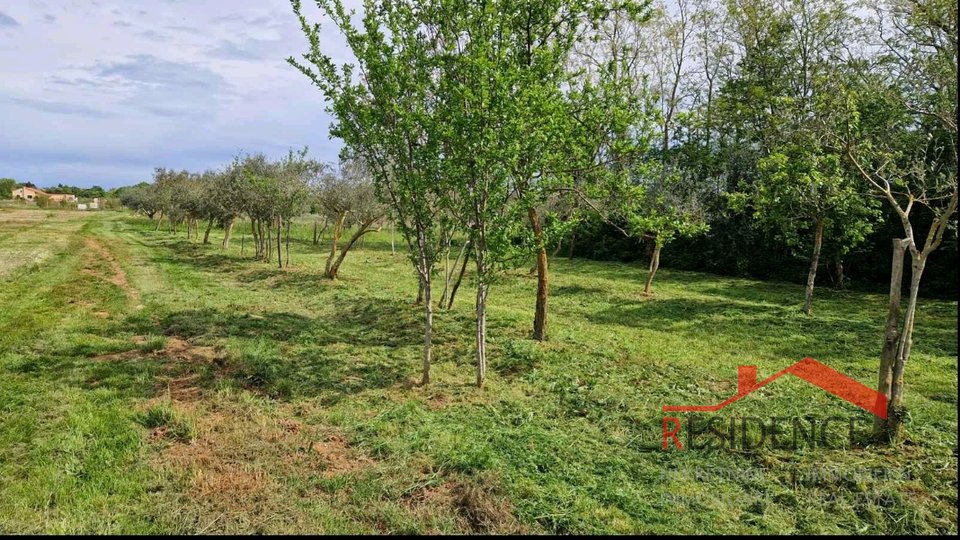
x=159, y=221
x=364, y=229
x=654, y=266
x=841, y=283
x=448, y=275
x=456, y=285
x=253, y=236
x=337, y=231
x=573, y=241
x=426, y=286
x=481, y=312
x=288, y=243
x=206, y=234
x=227, y=233
x=279, y=243
x=891, y=335
x=267, y=236
x=543, y=278
x=814, y=260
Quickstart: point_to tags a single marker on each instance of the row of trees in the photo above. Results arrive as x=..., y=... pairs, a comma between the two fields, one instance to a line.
x=269, y=194
x=505, y=121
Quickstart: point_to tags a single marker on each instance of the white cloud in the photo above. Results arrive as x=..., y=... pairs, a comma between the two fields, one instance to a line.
x=102, y=92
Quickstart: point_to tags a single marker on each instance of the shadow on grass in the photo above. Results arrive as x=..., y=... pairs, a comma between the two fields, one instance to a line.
x=777, y=330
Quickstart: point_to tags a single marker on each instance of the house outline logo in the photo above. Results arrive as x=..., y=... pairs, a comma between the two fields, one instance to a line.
x=813, y=372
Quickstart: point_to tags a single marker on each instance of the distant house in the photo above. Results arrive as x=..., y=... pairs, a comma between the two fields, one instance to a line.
x=30, y=194
x=27, y=193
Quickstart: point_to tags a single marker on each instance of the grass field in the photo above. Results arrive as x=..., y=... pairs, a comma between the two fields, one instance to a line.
x=152, y=384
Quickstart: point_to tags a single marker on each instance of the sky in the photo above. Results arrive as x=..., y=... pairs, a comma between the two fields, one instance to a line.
x=102, y=92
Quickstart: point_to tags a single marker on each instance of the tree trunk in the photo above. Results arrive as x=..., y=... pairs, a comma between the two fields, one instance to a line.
x=335, y=237
x=279, y=243
x=573, y=242
x=481, y=311
x=891, y=335
x=654, y=266
x=364, y=229
x=426, y=287
x=159, y=221
x=841, y=283
x=267, y=236
x=448, y=273
x=540, y=312
x=206, y=234
x=227, y=233
x=287, y=243
x=895, y=409
x=253, y=236
x=456, y=285
x=814, y=260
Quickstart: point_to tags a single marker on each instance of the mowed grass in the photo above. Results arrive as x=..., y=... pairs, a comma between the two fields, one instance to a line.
x=153, y=384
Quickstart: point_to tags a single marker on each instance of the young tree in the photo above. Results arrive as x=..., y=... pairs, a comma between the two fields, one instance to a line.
x=804, y=190
x=386, y=116
x=900, y=133
x=507, y=84
x=296, y=177
x=661, y=208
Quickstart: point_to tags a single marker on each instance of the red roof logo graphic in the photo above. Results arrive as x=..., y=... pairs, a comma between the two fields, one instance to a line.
x=809, y=370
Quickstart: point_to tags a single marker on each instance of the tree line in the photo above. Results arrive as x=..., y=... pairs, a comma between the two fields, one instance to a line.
x=268, y=195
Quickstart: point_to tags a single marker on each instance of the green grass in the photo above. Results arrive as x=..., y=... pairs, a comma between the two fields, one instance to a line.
x=211, y=393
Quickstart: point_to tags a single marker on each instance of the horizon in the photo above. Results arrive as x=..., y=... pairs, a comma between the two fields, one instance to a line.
x=169, y=84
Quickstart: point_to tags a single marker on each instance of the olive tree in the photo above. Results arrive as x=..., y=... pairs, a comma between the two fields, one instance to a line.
x=347, y=197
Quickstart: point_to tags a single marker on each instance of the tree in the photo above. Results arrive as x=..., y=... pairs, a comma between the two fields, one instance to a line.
x=506, y=83
x=347, y=197
x=141, y=198
x=899, y=130
x=803, y=191
x=661, y=208
x=798, y=186
x=387, y=118
x=7, y=185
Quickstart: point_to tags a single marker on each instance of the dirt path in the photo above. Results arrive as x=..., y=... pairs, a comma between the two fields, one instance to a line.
x=115, y=273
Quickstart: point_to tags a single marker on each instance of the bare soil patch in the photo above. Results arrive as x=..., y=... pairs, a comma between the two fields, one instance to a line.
x=477, y=503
